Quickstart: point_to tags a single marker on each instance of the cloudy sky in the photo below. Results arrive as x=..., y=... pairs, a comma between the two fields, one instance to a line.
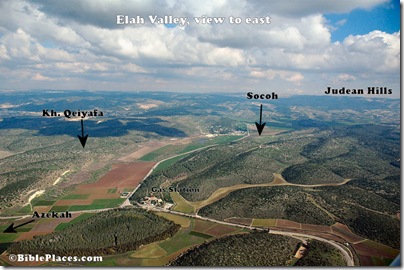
x=308, y=46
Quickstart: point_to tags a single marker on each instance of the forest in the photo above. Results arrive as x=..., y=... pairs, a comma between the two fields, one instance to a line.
x=291, y=203
x=257, y=249
x=368, y=212
x=110, y=232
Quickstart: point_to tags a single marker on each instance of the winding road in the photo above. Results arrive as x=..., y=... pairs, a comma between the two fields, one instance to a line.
x=347, y=256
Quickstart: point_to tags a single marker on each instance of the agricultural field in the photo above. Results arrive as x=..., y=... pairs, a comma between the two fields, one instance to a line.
x=235, y=163
x=101, y=194
x=81, y=217
x=180, y=204
x=318, y=168
x=193, y=232
x=25, y=172
x=327, y=175
x=192, y=145
x=365, y=213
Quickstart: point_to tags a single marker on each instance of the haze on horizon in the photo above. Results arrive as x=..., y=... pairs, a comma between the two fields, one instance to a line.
x=309, y=45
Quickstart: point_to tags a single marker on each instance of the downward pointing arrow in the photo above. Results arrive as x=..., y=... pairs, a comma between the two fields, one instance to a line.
x=82, y=138
x=11, y=228
x=260, y=126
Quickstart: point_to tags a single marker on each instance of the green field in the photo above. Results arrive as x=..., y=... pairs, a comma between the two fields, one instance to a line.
x=25, y=210
x=108, y=203
x=24, y=229
x=98, y=204
x=83, y=216
x=8, y=237
x=112, y=190
x=207, y=142
x=167, y=163
x=44, y=203
x=199, y=234
x=180, y=204
x=76, y=197
x=183, y=221
x=150, y=251
x=168, y=149
x=60, y=208
x=178, y=149
x=263, y=222
x=82, y=207
x=180, y=241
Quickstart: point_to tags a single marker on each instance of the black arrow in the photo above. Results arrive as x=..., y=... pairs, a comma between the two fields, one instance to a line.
x=11, y=228
x=82, y=138
x=260, y=126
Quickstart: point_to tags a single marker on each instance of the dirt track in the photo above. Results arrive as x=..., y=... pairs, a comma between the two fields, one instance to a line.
x=278, y=181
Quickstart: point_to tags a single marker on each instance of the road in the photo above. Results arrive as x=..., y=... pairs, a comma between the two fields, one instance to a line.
x=127, y=202
x=158, y=209
x=347, y=256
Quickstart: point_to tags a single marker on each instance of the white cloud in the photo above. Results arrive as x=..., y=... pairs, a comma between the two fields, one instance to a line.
x=341, y=22
x=374, y=52
x=39, y=77
x=21, y=46
x=79, y=40
x=289, y=76
x=308, y=7
x=346, y=77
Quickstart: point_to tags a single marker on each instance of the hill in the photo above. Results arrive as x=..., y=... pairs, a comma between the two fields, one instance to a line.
x=109, y=232
x=257, y=249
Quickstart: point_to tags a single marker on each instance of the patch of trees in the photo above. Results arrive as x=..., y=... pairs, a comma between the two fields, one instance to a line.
x=322, y=254
x=39, y=160
x=388, y=188
x=213, y=168
x=257, y=249
x=254, y=249
x=377, y=227
x=309, y=173
x=366, y=210
x=363, y=151
x=290, y=203
x=26, y=179
x=109, y=232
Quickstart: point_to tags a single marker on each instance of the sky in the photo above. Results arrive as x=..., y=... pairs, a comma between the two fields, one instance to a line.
x=307, y=46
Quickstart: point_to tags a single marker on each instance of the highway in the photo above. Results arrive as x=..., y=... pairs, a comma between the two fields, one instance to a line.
x=347, y=256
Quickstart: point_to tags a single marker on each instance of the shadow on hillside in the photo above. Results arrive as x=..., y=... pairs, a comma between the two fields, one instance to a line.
x=107, y=128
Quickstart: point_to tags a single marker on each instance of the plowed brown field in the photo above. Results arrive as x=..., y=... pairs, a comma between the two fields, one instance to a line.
x=123, y=175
